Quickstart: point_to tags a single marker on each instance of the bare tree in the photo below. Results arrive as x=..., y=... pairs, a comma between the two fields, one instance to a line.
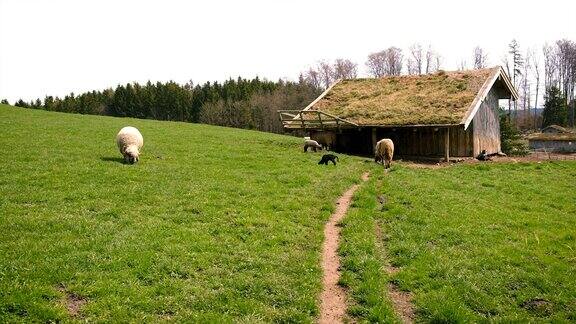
x=432, y=61
x=344, y=69
x=376, y=64
x=312, y=77
x=480, y=58
x=386, y=62
x=429, y=58
x=411, y=66
x=536, y=73
x=525, y=85
x=393, y=61
x=326, y=73
x=566, y=58
x=416, y=60
x=462, y=65
x=438, y=61
x=550, y=66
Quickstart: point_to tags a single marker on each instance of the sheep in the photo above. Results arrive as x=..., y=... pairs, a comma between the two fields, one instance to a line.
x=384, y=152
x=313, y=144
x=327, y=158
x=130, y=141
x=326, y=138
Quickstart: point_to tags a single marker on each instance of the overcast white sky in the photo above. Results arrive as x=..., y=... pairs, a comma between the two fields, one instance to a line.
x=61, y=46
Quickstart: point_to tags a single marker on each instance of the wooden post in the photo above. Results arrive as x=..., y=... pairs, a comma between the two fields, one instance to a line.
x=374, y=138
x=302, y=120
x=447, y=145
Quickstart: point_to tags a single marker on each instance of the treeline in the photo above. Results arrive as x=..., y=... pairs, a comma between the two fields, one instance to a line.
x=240, y=103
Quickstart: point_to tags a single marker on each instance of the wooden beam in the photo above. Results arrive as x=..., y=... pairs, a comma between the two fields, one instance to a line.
x=321, y=95
x=374, y=138
x=447, y=145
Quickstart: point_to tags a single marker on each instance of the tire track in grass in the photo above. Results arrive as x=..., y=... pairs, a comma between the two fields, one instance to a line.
x=401, y=300
x=333, y=297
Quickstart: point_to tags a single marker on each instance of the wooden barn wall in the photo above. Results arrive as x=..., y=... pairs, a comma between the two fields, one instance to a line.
x=486, y=125
x=408, y=141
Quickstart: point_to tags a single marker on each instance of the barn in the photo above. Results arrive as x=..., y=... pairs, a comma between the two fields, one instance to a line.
x=437, y=116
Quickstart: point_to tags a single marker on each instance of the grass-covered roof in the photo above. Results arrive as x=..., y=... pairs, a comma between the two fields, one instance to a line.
x=433, y=99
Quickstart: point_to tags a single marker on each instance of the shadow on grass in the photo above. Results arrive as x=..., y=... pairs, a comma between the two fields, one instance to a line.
x=112, y=159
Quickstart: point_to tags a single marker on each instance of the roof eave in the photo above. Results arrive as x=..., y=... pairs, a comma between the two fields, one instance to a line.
x=483, y=92
x=409, y=125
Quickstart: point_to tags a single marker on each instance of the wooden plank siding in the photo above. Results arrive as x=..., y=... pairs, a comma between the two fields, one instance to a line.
x=486, y=125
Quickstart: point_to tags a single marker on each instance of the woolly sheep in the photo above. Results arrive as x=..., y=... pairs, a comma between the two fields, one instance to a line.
x=130, y=141
x=313, y=144
x=327, y=139
x=384, y=152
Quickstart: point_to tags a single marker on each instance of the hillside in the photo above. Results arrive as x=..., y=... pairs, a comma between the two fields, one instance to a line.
x=225, y=225
x=212, y=224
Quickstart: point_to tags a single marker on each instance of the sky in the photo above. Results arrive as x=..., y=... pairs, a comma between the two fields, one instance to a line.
x=61, y=46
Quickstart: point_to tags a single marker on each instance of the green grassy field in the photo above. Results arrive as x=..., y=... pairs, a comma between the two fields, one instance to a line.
x=213, y=224
x=472, y=243
x=225, y=225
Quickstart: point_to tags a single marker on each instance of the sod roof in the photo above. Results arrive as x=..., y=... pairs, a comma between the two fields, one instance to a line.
x=552, y=137
x=443, y=98
x=556, y=129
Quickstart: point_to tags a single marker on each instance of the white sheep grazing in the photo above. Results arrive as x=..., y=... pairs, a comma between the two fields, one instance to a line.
x=313, y=144
x=130, y=141
x=384, y=152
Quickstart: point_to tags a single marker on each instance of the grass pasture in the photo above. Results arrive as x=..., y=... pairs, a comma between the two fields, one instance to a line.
x=213, y=224
x=226, y=225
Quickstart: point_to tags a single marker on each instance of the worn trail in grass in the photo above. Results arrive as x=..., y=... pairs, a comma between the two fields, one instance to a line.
x=333, y=298
x=213, y=224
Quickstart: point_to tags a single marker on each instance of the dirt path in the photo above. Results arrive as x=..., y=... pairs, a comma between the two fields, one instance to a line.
x=333, y=298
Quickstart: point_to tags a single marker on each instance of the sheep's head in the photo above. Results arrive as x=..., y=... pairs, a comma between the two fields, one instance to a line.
x=131, y=154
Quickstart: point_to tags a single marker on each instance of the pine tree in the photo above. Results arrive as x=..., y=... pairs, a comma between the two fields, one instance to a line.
x=517, y=62
x=555, y=108
x=510, y=139
x=21, y=103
